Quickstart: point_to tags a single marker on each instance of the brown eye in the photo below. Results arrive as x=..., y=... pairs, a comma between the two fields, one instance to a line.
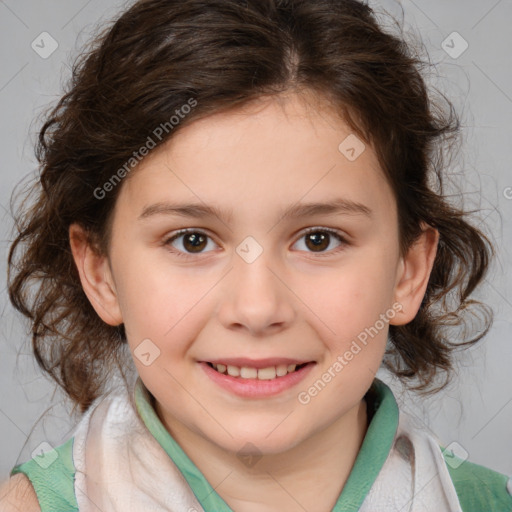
x=318, y=240
x=194, y=242
x=188, y=242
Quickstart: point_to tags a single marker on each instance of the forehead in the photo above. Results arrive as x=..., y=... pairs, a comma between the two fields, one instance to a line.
x=273, y=151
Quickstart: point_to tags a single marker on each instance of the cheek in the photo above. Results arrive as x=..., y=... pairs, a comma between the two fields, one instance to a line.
x=154, y=296
x=351, y=310
x=349, y=297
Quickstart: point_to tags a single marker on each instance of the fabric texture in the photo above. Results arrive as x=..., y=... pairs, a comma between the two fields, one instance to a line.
x=52, y=477
x=478, y=487
x=121, y=457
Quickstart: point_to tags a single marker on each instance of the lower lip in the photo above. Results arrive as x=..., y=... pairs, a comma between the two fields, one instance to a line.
x=255, y=388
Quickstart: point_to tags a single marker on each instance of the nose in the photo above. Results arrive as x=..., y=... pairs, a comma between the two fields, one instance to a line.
x=255, y=298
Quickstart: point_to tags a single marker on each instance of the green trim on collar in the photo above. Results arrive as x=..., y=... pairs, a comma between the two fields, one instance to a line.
x=202, y=489
x=370, y=459
x=374, y=450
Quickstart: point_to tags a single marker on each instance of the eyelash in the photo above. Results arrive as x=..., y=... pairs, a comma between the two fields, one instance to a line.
x=182, y=232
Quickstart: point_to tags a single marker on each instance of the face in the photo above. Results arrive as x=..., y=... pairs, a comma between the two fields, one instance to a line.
x=263, y=282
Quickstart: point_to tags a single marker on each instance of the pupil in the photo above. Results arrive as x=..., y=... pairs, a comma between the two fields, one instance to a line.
x=196, y=239
x=319, y=239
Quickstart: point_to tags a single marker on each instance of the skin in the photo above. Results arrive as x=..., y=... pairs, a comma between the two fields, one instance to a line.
x=292, y=301
x=17, y=494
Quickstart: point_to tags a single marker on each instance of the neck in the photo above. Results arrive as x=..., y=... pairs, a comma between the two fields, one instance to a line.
x=282, y=481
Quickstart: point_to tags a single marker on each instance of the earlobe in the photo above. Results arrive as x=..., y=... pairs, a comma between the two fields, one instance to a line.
x=95, y=276
x=414, y=274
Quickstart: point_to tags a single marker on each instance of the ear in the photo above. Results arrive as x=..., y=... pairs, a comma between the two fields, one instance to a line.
x=414, y=274
x=95, y=276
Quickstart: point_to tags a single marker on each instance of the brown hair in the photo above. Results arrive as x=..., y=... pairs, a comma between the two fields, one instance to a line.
x=143, y=68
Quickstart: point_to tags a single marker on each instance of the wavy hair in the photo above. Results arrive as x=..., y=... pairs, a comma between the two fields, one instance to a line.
x=143, y=67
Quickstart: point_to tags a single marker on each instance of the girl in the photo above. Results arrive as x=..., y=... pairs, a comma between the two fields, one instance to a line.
x=245, y=197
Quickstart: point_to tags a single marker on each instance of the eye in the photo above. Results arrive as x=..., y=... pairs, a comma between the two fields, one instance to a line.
x=193, y=242
x=318, y=239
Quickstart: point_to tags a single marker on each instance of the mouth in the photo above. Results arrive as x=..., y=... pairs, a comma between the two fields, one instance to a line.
x=257, y=378
x=270, y=372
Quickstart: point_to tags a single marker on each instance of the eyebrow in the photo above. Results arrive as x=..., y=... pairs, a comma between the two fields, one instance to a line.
x=200, y=211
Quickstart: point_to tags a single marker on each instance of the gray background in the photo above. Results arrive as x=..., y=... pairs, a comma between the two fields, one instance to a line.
x=476, y=410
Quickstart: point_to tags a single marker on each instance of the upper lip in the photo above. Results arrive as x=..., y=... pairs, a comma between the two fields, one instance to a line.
x=256, y=363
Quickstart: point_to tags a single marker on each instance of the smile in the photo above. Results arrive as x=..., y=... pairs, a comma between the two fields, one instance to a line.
x=247, y=372
x=250, y=382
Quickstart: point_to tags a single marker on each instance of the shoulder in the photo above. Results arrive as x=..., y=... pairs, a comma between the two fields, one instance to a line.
x=51, y=478
x=17, y=494
x=478, y=487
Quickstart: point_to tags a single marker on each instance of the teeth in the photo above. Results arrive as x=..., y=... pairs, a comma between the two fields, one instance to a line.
x=267, y=373
x=281, y=370
x=246, y=372
x=234, y=371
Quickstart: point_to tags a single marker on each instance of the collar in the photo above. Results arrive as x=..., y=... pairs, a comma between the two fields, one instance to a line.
x=383, y=424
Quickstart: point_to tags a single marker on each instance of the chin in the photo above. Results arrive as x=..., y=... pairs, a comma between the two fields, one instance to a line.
x=259, y=442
